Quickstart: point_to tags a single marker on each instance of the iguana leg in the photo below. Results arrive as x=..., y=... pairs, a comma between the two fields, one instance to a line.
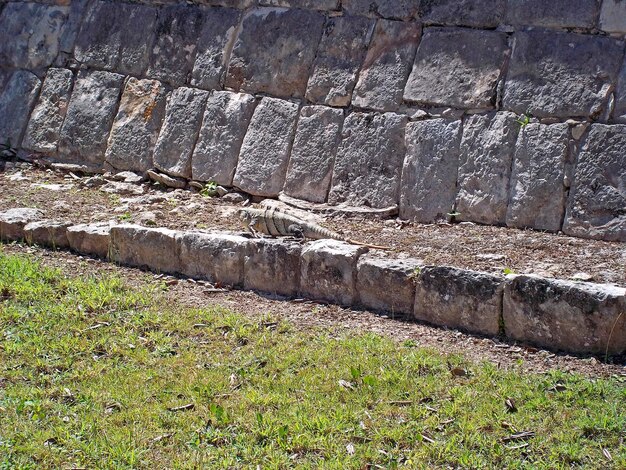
x=296, y=231
x=251, y=229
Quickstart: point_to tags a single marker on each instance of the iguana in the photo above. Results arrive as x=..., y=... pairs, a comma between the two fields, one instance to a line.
x=277, y=223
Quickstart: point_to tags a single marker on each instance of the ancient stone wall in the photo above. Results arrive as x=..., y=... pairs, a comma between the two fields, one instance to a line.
x=508, y=112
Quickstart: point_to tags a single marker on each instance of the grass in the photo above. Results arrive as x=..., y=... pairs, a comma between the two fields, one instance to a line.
x=94, y=374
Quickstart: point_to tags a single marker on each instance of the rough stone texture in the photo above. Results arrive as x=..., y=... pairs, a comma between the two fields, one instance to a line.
x=90, y=239
x=457, y=67
x=13, y=221
x=136, y=126
x=216, y=257
x=274, y=51
x=561, y=74
x=183, y=116
x=265, y=149
x=395, y=9
x=474, y=13
x=226, y=119
x=387, y=65
x=570, y=316
x=459, y=298
x=305, y=4
x=339, y=56
x=137, y=35
x=89, y=116
x=429, y=174
x=44, y=127
x=313, y=153
x=369, y=160
x=50, y=233
x=597, y=200
x=16, y=102
x=537, y=197
x=620, y=96
x=328, y=271
x=552, y=14
x=217, y=34
x=153, y=248
x=613, y=16
x=387, y=285
x=487, y=149
x=273, y=266
x=71, y=28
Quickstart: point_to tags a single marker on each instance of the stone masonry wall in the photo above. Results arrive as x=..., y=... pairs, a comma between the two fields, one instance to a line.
x=507, y=112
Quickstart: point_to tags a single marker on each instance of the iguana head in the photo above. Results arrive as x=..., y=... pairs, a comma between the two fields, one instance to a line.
x=244, y=217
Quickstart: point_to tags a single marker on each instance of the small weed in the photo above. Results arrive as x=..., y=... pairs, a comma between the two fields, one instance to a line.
x=209, y=189
x=524, y=119
x=507, y=271
x=126, y=216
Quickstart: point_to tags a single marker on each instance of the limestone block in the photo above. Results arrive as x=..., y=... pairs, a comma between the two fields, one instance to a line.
x=136, y=125
x=90, y=239
x=571, y=316
x=387, y=65
x=552, y=14
x=75, y=16
x=597, y=200
x=154, y=248
x=44, y=127
x=474, y=13
x=13, y=221
x=369, y=160
x=561, y=74
x=487, y=149
x=429, y=174
x=274, y=51
x=328, y=271
x=89, y=117
x=50, y=233
x=459, y=298
x=273, y=265
x=395, y=9
x=313, y=153
x=305, y=4
x=613, y=16
x=224, y=125
x=265, y=149
x=183, y=116
x=218, y=33
x=16, y=102
x=216, y=257
x=387, y=285
x=339, y=56
x=457, y=67
x=620, y=97
x=537, y=190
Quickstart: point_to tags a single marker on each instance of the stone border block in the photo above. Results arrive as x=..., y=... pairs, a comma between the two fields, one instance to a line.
x=50, y=233
x=153, y=248
x=90, y=239
x=13, y=221
x=16, y=103
x=613, y=16
x=273, y=265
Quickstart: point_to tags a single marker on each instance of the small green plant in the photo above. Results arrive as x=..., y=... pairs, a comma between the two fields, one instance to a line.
x=507, y=271
x=126, y=216
x=209, y=189
x=524, y=119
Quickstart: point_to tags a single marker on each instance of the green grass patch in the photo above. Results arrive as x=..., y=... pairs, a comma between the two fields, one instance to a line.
x=95, y=374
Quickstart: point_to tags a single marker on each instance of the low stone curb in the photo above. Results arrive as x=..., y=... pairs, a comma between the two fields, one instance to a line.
x=576, y=317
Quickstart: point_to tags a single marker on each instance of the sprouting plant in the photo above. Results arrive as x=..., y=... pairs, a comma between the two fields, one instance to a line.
x=524, y=119
x=125, y=216
x=507, y=271
x=209, y=189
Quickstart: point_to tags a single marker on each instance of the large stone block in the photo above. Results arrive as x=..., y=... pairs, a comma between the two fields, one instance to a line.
x=387, y=65
x=369, y=160
x=76, y=14
x=273, y=266
x=154, y=248
x=561, y=74
x=44, y=127
x=313, y=153
x=13, y=221
x=474, y=13
x=305, y=4
x=265, y=149
x=16, y=103
x=136, y=126
x=183, y=116
x=487, y=149
x=395, y=9
x=537, y=197
x=89, y=117
x=226, y=119
x=274, y=51
x=613, y=16
x=552, y=14
x=90, y=239
x=564, y=315
x=328, y=271
x=429, y=174
x=619, y=112
x=597, y=201
x=339, y=56
x=459, y=298
x=457, y=67
x=50, y=233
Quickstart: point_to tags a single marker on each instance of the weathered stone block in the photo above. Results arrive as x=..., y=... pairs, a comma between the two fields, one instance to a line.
x=265, y=149
x=13, y=221
x=597, y=201
x=272, y=265
x=137, y=36
x=564, y=315
x=340, y=53
x=274, y=51
x=387, y=65
x=553, y=14
x=44, y=127
x=226, y=119
x=457, y=67
x=561, y=74
x=183, y=116
x=459, y=298
x=313, y=153
x=619, y=112
x=474, y=13
x=75, y=16
x=613, y=16
x=395, y=9
x=537, y=197
x=89, y=116
x=136, y=126
x=16, y=103
x=369, y=160
x=154, y=248
x=487, y=149
x=328, y=271
x=50, y=233
x=429, y=174
x=90, y=239
x=305, y=4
